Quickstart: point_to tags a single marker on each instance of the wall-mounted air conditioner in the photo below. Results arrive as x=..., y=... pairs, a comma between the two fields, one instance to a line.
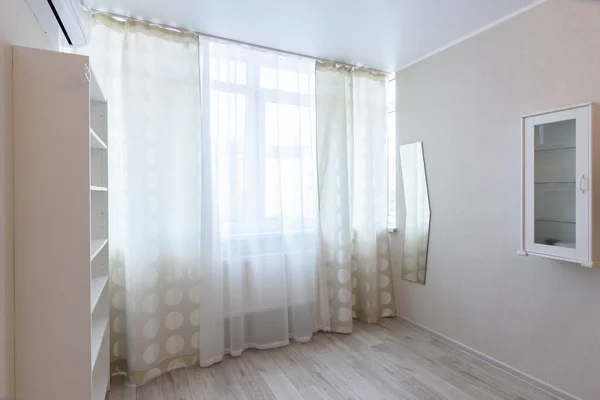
x=66, y=22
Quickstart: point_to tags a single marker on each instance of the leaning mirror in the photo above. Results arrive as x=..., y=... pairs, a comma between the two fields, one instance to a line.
x=417, y=213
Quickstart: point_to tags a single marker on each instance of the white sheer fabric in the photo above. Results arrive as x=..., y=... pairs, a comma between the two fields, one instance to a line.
x=213, y=212
x=352, y=171
x=260, y=191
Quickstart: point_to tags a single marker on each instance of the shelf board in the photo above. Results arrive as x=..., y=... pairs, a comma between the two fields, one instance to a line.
x=95, y=188
x=98, y=333
x=96, y=142
x=555, y=149
x=554, y=220
x=100, y=386
x=565, y=245
x=95, y=90
x=96, y=287
x=96, y=245
x=547, y=183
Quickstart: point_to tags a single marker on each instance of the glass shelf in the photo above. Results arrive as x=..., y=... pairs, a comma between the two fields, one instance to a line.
x=544, y=183
x=555, y=149
x=554, y=220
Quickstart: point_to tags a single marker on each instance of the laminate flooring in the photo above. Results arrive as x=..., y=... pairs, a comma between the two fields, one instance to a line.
x=388, y=360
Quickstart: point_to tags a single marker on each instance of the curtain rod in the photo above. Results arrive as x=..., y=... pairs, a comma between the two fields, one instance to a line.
x=187, y=31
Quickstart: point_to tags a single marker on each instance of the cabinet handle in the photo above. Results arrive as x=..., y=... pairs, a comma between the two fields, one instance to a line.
x=581, y=183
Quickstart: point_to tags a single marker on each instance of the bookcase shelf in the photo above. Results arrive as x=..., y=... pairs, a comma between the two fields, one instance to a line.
x=97, y=287
x=99, y=329
x=96, y=142
x=96, y=245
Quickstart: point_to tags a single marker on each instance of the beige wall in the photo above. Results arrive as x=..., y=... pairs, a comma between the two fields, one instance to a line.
x=17, y=26
x=537, y=315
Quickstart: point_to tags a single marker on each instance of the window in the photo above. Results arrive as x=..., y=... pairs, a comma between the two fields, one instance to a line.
x=262, y=117
x=391, y=146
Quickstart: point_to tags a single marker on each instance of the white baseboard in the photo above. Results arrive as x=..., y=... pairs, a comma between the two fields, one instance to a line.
x=552, y=390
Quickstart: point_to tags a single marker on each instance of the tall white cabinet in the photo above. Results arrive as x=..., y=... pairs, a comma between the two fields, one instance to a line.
x=561, y=184
x=60, y=228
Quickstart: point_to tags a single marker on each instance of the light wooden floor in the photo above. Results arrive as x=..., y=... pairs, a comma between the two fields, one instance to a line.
x=389, y=360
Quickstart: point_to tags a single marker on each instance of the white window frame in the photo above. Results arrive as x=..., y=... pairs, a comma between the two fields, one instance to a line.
x=256, y=99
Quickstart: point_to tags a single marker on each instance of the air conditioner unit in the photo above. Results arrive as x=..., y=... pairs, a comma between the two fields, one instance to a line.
x=66, y=22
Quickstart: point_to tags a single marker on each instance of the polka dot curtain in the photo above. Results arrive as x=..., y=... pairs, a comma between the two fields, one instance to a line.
x=352, y=175
x=154, y=141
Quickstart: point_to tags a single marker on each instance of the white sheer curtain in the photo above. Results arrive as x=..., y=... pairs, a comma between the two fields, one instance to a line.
x=213, y=210
x=352, y=174
x=261, y=193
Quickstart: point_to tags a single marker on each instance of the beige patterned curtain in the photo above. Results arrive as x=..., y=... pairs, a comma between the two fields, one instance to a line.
x=352, y=176
x=152, y=81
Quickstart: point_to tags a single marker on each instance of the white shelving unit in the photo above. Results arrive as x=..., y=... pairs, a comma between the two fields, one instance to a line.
x=61, y=228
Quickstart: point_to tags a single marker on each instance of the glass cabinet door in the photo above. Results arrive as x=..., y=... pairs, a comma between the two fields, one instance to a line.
x=556, y=183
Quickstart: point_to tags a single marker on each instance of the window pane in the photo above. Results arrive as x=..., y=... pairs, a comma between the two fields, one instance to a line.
x=309, y=183
x=272, y=190
x=304, y=81
x=291, y=190
x=223, y=70
x=228, y=70
x=240, y=72
x=287, y=80
x=271, y=124
x=228, y=130
x=307, y=126
x=289, y=148
x=268, y=78
x=214, y=68
x=309, y=151
x=286, y=187
x=391, y=125
x=282, y=124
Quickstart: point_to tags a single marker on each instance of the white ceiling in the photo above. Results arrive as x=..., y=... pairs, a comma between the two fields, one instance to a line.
x=381, y=34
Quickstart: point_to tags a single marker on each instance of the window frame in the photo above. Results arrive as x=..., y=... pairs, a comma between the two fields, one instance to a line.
x=257, y=97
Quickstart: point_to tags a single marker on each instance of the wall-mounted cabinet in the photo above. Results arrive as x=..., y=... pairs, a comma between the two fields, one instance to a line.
x=561, y=184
